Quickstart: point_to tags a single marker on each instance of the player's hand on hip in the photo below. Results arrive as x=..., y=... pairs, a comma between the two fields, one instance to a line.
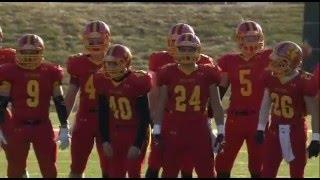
x=219, y=143
x=2, y=139
x=313, y=149
x=64, y=138
x=259, y=137
x=133, y=153
x=107, y=149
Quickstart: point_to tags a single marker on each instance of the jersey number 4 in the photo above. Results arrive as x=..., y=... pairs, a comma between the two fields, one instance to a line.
x=194, y=100
x=33, y=93
x=89, y=88
x=120, y=107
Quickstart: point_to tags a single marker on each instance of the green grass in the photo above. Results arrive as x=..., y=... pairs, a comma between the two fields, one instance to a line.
x=240, y=168
x=143, y=27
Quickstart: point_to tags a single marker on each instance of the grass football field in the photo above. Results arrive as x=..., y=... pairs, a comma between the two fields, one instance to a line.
x=143, y=27
x=240, y=168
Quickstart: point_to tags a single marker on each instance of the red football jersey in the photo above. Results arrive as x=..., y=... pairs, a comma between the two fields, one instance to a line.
x=288, y=104
x=316, y=76
x=188, y=94
x=123, y=96
x=81, y=69
x=161, y=58
x=7, y=55
x=31, y=90
x=245, y=80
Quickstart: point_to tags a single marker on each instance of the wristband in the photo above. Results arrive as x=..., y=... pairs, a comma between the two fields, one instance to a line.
x=261, y=127
x=220, y=129
x=315, y=137
x=156, y=129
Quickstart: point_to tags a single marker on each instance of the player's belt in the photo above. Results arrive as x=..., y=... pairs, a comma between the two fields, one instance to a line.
x=242, y=112
x=93, y=110
x=32, y=123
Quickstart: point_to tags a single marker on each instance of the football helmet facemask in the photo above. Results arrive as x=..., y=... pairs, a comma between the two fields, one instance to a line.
x=30, y=51
x=174, y=32
x=117, y=61
x=249, y=37
x=286, y=57
x=187, y=49
x=96, y=37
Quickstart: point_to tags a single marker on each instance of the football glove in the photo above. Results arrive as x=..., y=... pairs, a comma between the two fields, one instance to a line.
x=156, y=136
x=313, y=149
x=219, y=143
x=259, y=137
x=107, y=149
x=133, y=153
x=64, y=138
x=213, y=141
x=2, y=139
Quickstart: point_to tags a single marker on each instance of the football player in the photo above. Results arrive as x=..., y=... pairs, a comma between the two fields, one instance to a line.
x=29, y=84
x=289, y=94
x=81, y=67
x=156, y=61
x=242, y=71
x=184, y=90
x=123, y=112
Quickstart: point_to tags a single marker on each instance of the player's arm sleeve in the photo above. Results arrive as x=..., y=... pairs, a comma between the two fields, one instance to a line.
x=312, y=106
x=264, y=110
x=144, y=114
x=3, y=105
x=5, y=88
x=163, y=96
x=61, y=107
x=103, y=117
x=216, y=106
x=153, y=95
x=310, y=91
x=73, y=70
x=58, y=97
x=74, y=84
x=224, y=82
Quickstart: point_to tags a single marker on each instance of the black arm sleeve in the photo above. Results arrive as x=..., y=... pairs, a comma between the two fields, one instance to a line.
x=210, y=112
x=61, y=110
x=3, y=105
x=222, y=91
x=103, y=117
x=144, y=114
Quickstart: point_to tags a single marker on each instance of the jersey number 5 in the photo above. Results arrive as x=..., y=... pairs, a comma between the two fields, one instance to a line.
x=246, y=85
x=33, y=93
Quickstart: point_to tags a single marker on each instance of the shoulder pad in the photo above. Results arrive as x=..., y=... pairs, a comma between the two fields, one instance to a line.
x=139, y=73
x=76, y=55
x=168, y=65
x=9, y=50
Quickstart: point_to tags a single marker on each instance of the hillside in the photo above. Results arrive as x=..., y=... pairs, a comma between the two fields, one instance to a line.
x=143, y=27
